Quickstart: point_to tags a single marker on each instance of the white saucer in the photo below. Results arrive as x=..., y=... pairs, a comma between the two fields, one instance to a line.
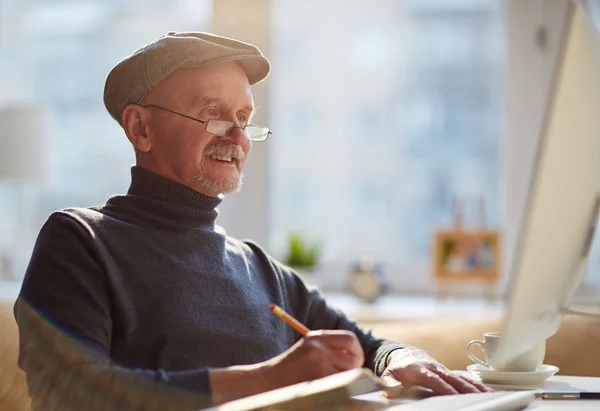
x=537, y=377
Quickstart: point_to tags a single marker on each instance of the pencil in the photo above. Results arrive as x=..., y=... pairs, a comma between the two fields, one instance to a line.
x=297, y=325
x=292, y=322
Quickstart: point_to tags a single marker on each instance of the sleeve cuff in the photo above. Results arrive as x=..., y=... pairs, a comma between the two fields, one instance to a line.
x=382, y=354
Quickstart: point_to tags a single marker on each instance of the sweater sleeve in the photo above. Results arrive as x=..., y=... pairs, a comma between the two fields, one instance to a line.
x=65, y=326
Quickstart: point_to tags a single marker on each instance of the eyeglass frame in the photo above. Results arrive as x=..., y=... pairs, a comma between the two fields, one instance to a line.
x=206, y=122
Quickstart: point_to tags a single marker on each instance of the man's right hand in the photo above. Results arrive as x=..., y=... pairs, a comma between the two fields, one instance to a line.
x=319, y=354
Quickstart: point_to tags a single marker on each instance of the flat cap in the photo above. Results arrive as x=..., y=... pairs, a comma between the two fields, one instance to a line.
x=136, y=75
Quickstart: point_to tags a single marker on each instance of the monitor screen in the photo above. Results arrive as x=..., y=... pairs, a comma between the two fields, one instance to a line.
x=562, y=205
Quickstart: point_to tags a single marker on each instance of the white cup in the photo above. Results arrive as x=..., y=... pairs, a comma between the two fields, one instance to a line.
x=530, y=360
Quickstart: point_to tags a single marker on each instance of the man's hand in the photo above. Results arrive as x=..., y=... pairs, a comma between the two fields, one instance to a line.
x=319, y=354
x=415, y=368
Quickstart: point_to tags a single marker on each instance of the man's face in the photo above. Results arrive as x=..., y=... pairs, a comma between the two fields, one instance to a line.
x=181, y=149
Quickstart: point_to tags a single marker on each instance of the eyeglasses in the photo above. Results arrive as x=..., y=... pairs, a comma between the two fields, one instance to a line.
x=224, y=128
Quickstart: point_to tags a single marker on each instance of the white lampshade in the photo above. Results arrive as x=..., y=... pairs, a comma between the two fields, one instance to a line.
x=23, y=148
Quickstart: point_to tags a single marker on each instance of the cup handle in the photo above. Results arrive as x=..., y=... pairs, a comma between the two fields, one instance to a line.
x=472, y=356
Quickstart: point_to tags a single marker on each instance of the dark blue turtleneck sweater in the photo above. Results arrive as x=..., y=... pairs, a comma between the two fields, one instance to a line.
x=128, y=305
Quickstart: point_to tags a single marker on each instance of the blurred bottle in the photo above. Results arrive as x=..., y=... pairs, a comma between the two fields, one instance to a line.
x=6, y=266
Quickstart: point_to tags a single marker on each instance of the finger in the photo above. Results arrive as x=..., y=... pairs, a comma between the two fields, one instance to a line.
x=389, y=381
x=429, y=379
x=337, y=338
x=345, y=351
x=357, y=353
x=344, y=343
x=462, y=385
x=415, y=392
x=480, y=386
x=343, y=360
x=393, y=388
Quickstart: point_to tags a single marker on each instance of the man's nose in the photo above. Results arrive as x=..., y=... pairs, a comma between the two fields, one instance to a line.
x=236, y=135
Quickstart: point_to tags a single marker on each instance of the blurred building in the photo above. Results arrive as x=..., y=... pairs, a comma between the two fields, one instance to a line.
x=56, y=54
x=381, y=112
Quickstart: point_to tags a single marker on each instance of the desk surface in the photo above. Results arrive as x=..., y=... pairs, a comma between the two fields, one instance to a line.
x=557, y=383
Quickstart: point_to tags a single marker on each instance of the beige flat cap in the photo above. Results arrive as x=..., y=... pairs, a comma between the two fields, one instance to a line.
x=132, y=78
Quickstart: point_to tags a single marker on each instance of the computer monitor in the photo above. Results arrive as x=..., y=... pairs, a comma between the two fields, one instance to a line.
x=563, y=199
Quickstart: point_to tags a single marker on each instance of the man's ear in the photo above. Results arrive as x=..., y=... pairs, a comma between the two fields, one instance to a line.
x=134, y=120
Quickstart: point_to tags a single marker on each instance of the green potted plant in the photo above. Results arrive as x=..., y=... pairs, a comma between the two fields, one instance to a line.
x=302, y=256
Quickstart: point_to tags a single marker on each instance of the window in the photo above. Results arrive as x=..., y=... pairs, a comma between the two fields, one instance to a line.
x=58, y=54
x=409, y=103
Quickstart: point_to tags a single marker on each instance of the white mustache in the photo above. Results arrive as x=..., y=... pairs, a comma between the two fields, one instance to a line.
x=225, y=150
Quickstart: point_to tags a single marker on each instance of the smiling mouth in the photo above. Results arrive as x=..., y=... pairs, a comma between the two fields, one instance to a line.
x=221, y=158
x=224, y=159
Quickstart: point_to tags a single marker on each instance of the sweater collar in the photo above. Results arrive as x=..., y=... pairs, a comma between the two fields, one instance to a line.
x=172, y=200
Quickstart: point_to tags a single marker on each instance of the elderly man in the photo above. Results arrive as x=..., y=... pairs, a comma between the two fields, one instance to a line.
x=145, y=302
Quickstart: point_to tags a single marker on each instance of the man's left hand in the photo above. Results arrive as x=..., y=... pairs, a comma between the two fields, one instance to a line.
x=415, y=368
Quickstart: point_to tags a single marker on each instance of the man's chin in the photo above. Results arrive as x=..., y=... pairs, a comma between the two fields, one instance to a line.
x=231, y=189
x=220, y=186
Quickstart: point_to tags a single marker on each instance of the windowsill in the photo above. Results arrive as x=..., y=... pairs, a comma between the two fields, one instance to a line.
x=411, y=307
x=398, y=307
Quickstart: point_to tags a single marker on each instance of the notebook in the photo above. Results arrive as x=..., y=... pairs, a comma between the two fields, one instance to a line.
x=311, y=394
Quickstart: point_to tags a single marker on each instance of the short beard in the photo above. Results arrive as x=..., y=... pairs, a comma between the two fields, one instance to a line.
x=229, y=185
